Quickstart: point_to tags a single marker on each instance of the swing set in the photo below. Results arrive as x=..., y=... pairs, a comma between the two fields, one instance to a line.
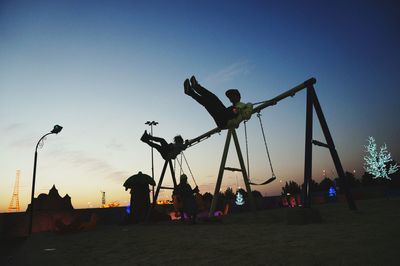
x=312, y=103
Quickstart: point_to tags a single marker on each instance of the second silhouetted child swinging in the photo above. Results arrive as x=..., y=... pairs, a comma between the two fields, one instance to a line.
x=167, y=150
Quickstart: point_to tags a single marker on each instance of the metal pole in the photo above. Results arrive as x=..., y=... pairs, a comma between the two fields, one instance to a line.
x=158, y=190
x=152, y=163
x=284, y=95
x=335, y=157
x=172, y=173
x=244, y=173
x=33, y=182
x=33, y=193
x=57, y=129
x=308, y=150
x=151, y=124
x=220, y=173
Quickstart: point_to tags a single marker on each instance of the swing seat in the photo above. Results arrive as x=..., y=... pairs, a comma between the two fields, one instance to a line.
x=265, y=182
x=266, y=148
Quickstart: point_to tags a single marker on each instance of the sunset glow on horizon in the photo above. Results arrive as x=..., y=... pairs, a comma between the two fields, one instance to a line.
x=101, y=69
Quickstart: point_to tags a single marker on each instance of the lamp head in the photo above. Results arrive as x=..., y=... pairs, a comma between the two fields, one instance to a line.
x=56, y=129
x=151, y=123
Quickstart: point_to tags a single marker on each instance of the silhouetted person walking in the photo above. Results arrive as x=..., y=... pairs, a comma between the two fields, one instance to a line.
x=189, y=206
x=224, y=117
x=167, y=150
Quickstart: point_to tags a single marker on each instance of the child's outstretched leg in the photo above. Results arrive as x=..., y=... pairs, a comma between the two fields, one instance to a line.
x=162, y=141
x=146, y=138
x=203, y=91
x=208, y=99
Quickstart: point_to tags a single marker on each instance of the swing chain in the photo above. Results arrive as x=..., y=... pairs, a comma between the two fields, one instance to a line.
x=247, y=149
x=190, y=171
x=187, y=164
x=265, y=142
x=180, y=163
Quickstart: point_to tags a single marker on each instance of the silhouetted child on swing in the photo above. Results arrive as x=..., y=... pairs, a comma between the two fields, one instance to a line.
x=224, y=117
x=167, y=150
x=185, y=192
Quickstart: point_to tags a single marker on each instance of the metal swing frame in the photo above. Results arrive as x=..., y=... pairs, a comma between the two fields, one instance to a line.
x=312, y=103
x=159, y=186
x=173, y=176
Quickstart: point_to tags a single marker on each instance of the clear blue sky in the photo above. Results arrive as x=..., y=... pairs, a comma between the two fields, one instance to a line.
x=103, y=68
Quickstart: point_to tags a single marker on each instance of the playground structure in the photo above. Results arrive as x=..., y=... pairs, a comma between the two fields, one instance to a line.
x=312, y=102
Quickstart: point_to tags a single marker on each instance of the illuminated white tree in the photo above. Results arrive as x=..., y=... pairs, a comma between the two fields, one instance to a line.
x=378, y=164
x=239, y=199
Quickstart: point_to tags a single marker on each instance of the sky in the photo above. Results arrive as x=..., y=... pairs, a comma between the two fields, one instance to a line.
x=101, y=69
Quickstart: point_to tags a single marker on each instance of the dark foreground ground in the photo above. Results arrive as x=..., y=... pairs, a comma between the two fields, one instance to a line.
x=370, y=236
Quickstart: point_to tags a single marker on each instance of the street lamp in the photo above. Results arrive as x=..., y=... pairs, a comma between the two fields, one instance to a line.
x=56, y=130
x=151, y=124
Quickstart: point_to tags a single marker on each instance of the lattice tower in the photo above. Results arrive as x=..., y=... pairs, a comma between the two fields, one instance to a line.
x=103, y=198
x=14, y=203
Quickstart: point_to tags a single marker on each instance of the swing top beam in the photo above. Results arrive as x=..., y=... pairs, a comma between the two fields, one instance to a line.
x=257, y=109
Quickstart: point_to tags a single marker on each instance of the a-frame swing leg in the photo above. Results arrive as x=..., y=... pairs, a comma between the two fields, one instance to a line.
x=308, y=151
x=159, y=185
x=244, y=172
x=332, y=149
x=231, y=132
x=172, y=173
x=220, y=174
x=157, y=192
x=312, y=100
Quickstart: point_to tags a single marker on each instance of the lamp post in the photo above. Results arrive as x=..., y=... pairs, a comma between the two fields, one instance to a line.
x=56, y=130
x=151, y=124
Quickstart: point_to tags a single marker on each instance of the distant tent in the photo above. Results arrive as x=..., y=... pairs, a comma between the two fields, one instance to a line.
x=52, y=201
x=139, y=178
x=140, y=196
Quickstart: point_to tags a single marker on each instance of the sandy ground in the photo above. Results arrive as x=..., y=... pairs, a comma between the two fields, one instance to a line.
x=370, y=236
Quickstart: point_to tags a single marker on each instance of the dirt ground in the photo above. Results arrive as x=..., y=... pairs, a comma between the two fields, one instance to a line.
x=369, y=236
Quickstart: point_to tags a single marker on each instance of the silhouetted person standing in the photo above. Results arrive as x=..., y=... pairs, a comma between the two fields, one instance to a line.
x=224, y=117
x=167, y=150
x=189, y=206
x=140, y=197
x=140, y=202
